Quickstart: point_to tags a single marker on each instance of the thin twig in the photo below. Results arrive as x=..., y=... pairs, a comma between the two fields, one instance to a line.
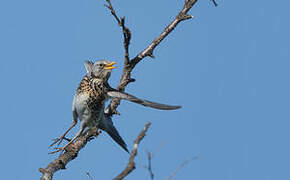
x=162, y=144
x=129, y=65
x=181, y=166
x=215, y=4
x=109, y=6
x=90, y=177
x=149, y=156
x=182, y=15
x=125, y=79
x=131, y=164
x=70, y=154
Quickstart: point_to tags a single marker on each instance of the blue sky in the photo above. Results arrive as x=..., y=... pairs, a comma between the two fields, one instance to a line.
x=228, y=67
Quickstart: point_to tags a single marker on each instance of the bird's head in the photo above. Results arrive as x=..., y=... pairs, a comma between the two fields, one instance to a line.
x=100, y=69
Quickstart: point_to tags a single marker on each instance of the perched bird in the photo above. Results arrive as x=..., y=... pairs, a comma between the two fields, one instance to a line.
x=89, y=102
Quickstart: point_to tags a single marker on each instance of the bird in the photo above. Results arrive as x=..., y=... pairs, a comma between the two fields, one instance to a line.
x=89, y=103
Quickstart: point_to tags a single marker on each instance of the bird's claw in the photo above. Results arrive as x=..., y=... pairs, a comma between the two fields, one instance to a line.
x=59, y=140
x=61, y=149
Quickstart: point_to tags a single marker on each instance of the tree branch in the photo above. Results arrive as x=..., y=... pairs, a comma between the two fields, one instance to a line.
x=129, y=65
x=181, y=166
x=126, y=31
x=215, y=4
x=89, y=175
x=125, y=79
x=149, y=167
x=73, y=150
x=131, y=164
x=70, y=154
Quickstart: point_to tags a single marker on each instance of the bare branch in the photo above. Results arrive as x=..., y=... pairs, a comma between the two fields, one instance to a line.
x=129, y=65
x=126, y=31
x=131, y=164
x=125, y=79
x=182, y=15
x=181, y=166
x=72, y=150
x=90, y=177
x=215, y=4
x=110, y=7
x=149, y=156
x=70, y=154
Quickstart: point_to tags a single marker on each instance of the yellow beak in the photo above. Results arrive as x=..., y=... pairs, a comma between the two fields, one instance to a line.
x=110, y=66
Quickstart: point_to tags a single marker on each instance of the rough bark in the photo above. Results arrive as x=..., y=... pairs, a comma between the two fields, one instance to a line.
x=70, y=154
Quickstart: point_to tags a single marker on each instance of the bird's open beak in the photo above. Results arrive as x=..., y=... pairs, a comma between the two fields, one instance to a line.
x=110, y=66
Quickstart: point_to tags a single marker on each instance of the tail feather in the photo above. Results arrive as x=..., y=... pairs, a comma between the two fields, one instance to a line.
x=108, y=126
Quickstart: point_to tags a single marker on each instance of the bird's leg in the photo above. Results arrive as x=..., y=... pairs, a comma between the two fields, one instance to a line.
x=71, y=141
x=59, y=140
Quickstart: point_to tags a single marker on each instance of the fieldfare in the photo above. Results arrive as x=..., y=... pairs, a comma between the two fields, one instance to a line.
x=89, y=102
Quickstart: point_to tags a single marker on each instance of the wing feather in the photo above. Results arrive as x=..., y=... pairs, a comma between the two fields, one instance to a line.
x=129, y=97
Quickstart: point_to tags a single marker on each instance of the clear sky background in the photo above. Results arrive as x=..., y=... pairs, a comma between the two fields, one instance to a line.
x=228, y=67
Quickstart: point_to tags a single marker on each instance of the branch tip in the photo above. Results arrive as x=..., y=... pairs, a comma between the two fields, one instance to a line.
x=89, y=175
x=42, y=170
x=149, y=167
x=181, y=166
x=106, y=5
x=215, y=4
x=183, y=17
x=131, y=164
x=151, y=55
x=132, y=80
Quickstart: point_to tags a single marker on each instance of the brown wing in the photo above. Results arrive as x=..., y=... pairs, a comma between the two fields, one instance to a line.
x=129, y=97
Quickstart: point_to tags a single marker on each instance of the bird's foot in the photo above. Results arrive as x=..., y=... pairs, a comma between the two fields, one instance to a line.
x=61, y=149
x=59, y=140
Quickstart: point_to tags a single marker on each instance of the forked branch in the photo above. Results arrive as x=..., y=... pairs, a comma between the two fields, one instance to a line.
x=129, y=65
x=131, y=164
